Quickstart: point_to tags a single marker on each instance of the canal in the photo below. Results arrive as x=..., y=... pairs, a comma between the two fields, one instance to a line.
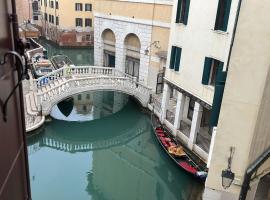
x=79, y=56
x=101, y=146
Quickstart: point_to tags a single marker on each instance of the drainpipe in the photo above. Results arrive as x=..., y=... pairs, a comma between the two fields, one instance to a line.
x=233, y=34
x=250, y=171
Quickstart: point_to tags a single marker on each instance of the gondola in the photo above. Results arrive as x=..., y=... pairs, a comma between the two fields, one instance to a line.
x=176, y=152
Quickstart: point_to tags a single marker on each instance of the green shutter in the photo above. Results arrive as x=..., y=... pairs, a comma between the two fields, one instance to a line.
x=186, y=12
x=178, y=14
x=220, y=74
x=177, y=59
x=226, y=15
x=218, y=96
x=219, y=89
x=206, y=71
x=172, y=61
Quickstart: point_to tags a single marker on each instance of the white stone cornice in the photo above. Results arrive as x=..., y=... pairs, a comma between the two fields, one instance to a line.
x=132, y=20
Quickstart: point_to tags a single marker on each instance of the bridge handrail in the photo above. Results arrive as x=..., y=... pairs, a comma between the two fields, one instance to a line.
x=89, y=78
x=83, y=70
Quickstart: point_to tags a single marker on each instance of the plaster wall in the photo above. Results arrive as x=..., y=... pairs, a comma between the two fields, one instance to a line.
x=244, y=119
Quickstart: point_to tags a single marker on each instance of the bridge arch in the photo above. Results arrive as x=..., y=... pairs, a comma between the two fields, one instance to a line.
x=68, y=81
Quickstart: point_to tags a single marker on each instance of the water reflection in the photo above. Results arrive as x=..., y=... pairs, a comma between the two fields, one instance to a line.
x=113, y=158
x=89, y=106
x=79, y=56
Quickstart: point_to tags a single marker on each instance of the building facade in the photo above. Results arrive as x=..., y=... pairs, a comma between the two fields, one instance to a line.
x=24, y=10
x=211, y=54
x=132, y=36
x=200, y=39
x=244, y=116
x=67, y=23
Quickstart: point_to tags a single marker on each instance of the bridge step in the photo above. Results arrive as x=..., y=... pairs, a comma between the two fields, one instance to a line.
x=31, y=107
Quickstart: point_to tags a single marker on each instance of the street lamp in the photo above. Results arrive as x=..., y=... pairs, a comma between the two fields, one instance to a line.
x=227, y=175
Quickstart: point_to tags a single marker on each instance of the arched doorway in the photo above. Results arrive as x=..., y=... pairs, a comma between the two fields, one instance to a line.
x=132, y=58
x=108, y=39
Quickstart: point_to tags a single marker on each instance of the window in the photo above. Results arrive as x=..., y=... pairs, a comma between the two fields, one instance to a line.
x=78, y=6
x=41, y=2
x=56, y=5
x=35, y=17
x=52, y=19
x=182, y=11
x=191, y=109
x=88, y=37
x=52, y=4
x=57, y=21
x=132, y=66
x=87, y=96
x=223, y=13
x=212, y=69
x=79, y=97
x=45, y=3
x=46, y=16
x=78, y=22
x=35, y=6
x=88, y=7
x=175, y=58
x=88, y=22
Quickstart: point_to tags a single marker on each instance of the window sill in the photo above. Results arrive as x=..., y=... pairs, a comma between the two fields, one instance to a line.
x=180, y=24
x=220, y=32
x=210, y=87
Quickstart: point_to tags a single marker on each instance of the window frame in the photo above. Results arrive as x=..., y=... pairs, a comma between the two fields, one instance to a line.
x=182, y=11
x=79, y=19
x=175, y=59
x=57, y=20
x=90, y=22
x=78, y=7
x=51, y=4
x=213, y=72
x=222, y=15
x=90, y=7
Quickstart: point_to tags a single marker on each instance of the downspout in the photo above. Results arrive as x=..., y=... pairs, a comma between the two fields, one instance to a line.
x=233, y=34
x=249, y=172
x=218, y=96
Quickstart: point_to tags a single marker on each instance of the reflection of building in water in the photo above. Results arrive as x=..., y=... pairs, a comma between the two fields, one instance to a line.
x=84, y=102
x=89, y=106
x=100, y=103
x=148, y=177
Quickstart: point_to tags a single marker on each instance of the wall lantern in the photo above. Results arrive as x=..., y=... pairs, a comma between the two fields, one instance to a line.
x=227, y=175
x=156, y=45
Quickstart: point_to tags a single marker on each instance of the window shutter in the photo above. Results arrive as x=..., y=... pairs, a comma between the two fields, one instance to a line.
x=178, y=14
x=186, y=12
x=226, y=15
x=220, y=73
x=177, y=59
x=206, y=70
x=172, y=61
x=219, y=89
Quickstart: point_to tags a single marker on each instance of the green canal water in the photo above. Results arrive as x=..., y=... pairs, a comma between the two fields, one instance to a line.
x=79, y=56
x=101, y=146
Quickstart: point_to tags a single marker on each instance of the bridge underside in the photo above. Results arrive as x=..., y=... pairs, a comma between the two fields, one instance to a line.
x=68, y=92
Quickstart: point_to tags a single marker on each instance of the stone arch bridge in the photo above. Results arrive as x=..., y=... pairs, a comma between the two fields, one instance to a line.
x=67, y=81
